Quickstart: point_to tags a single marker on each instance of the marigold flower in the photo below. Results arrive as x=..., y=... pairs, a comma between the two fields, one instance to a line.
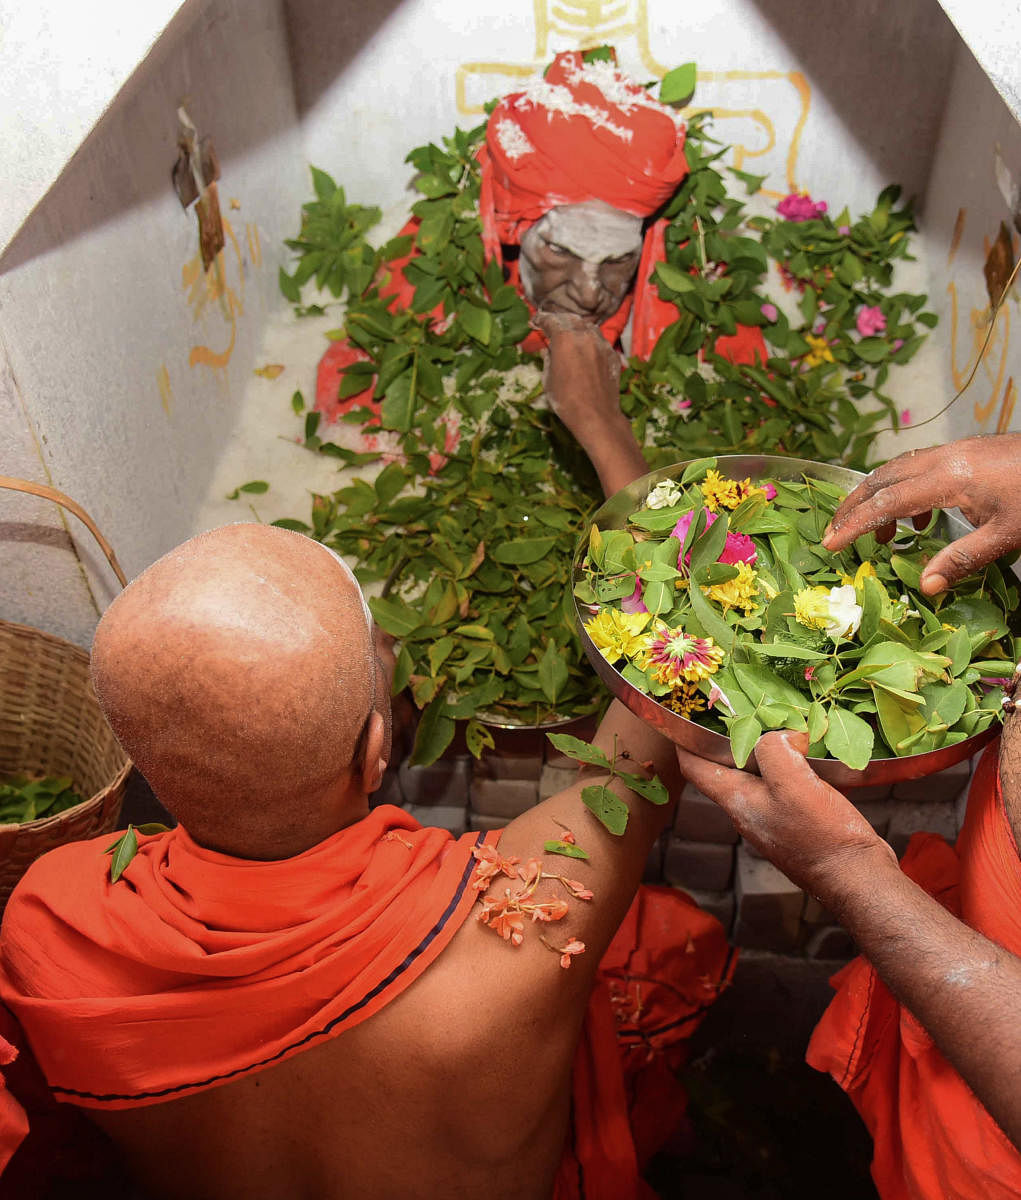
x=616, y=634
x=675, y=656
x=820, y=351
x=719, y=492
x=737, y=592
x=686, y=699
x=490, y=864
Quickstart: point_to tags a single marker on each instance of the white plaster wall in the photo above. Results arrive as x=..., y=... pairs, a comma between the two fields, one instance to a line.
x=975, y=185
x=105, y=309
x=62, y=63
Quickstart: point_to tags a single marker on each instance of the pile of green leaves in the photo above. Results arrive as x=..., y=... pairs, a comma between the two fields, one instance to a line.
x=908, y=681
x=23, y=799
x=485, y=626
x=717, y=274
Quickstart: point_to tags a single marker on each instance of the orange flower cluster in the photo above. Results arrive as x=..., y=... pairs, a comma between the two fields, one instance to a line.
x=505, y=913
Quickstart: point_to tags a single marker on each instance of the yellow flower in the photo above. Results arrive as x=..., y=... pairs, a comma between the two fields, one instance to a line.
x=684, y=700
x=718, y=492
x=812, y=607
x=616, y=634
x=865, y=571
x=736, y=592
x=820, y=351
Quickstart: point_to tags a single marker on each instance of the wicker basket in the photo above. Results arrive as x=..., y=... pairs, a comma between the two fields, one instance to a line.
x=51, y=724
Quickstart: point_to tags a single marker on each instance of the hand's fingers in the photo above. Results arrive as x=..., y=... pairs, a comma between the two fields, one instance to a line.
x=920, y=520
x=726, y=785
x=885, y=533
x=959, y=559
x=551, y=323
x=781, y=759
x=906, y=498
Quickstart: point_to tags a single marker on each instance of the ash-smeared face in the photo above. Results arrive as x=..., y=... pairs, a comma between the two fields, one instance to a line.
x=581, y=259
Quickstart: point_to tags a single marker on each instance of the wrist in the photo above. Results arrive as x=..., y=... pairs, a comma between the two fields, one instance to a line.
x=851, y=877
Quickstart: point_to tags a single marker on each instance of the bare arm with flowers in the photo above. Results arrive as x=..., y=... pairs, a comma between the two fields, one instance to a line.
x=962, y=987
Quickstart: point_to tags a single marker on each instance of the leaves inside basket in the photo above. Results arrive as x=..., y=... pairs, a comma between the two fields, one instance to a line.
x=23, y=799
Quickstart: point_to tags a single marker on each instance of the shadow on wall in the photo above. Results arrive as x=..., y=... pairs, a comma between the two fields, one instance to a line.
x=210, y=50
x=323, y=37
x=884, y=70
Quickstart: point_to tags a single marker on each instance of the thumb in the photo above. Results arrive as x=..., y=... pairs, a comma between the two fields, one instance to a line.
x=782, y=764
x=961, y=558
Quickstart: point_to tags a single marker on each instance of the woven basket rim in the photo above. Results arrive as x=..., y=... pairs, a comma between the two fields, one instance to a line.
x=49, y=637
x=43, y=824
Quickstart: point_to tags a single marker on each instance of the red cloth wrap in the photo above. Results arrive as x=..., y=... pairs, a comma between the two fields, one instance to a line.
x=933, y=1139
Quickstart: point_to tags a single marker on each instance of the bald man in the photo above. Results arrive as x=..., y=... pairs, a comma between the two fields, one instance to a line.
x=291, y=994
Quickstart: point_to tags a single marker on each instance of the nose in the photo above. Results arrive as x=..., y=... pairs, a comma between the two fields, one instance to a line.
x=585, y=288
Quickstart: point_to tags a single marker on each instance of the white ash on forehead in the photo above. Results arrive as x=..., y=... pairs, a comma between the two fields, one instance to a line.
x=556, y=99
x=512, y=139
x=592, y=230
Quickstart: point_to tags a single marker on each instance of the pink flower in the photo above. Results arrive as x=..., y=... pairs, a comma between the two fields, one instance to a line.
x=739, y=547
x=634, y=603
x=680, y=530
x=898, y=342
x=681, y=405
x=870, y=320
x=844, y=230
x=809, y=673
x=905, y=416
x=717, y=695
x=799, y=206
x=769, y=311
x=769, y=490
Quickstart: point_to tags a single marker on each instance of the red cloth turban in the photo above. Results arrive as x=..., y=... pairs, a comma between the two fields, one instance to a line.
x=583, y=132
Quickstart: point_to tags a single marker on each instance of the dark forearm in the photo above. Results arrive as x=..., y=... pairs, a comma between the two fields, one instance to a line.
x=615, y=454
x=962, y=988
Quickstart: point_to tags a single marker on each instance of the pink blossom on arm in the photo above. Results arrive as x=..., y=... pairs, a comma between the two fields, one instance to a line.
x=799, y=206
x=870, y=320
x=634, y=603
x=769, y=311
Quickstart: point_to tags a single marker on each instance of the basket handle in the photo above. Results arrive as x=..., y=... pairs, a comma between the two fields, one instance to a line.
x=48, y=493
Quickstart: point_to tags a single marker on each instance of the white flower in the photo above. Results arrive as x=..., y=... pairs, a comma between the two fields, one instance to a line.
x=663, y=495
x=844, y=613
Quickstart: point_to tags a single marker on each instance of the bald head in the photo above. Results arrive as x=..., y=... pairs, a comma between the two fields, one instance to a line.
x=239, y=675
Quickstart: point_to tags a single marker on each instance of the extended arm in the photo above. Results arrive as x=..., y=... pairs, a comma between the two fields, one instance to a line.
x=583, y=385
x=963, y=988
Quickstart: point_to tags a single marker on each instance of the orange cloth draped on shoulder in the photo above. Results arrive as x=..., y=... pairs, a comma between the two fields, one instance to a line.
x=98, y=973
x=933, y=1138
x=200, y=955
x=13, y=1121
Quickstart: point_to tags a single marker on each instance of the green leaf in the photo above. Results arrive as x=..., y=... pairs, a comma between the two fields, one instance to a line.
x=553, y=673
x=478, y=738
x=977, y=614
x=958, y=650
x=567, y=849
x=710, y=620
x=652, y=789
x=435, y=733
x=298, y=403
x=744, y=733
x=789, y=650
x=439, y=652
x=674, y=278
x=402, y=671
x=123, y=850
x=575, y=748
x=476, y=322
x=398, y=405
x=818, y=722
x=520, y=551
x=871, y=349
x=289, y=287
x=323, y=184
x=678, y=85
x=394, y=616
x=606, y=806
x=697, y=469
x=849, y=738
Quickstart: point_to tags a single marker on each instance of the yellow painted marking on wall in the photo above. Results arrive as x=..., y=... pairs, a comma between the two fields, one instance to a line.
x=212, y=288
x=254, y=244
x=587, y=23
x=1007, y=408
x=164, y=388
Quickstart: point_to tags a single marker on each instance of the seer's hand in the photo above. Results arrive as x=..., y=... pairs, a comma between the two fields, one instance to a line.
x=979, y=475
x=582, y=376
x=802, y=825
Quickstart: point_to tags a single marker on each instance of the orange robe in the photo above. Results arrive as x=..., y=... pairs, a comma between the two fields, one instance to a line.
x=933, y=1138
x=197, y=968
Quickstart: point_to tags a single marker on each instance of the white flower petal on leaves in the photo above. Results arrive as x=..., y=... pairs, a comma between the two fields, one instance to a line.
x=844, y=613
x=663, y=495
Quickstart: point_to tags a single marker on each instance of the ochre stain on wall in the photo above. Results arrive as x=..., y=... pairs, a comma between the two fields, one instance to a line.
x=164, y=388
x=212, y=288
